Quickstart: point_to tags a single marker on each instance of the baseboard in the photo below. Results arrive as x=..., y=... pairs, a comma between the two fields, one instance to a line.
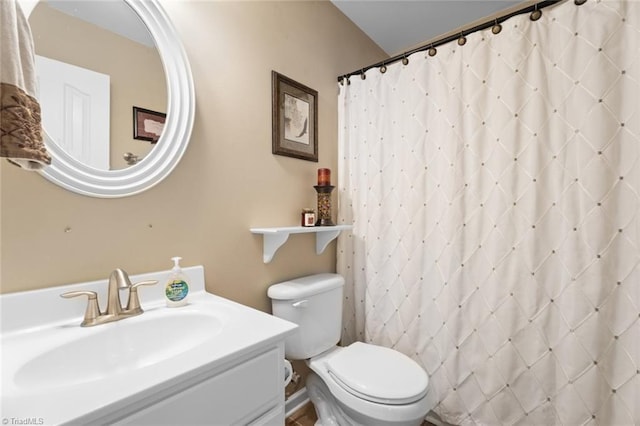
x=295, y=402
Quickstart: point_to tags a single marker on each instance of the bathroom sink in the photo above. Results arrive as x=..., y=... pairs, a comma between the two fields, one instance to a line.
x=54, y=372
x=118, y=348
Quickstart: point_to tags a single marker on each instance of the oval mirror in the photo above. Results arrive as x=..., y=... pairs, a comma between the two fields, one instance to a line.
x=145, y=146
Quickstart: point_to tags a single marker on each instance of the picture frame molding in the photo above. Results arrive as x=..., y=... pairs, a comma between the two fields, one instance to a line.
x=137, y=131
x=282, y=85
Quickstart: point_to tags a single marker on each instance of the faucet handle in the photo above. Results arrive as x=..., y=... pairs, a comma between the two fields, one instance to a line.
x=93, y=310
x=133, y=304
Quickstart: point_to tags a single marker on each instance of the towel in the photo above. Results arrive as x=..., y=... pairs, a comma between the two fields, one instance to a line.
x=20, y=121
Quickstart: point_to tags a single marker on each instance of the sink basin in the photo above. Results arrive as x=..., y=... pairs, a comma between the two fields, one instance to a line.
x=118, y=348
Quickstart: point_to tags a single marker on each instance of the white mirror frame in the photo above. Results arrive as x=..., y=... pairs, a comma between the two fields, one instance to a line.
x=69, y=173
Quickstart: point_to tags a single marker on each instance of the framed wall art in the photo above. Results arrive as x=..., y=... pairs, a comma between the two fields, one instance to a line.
x=147, y=124
x=294, y=119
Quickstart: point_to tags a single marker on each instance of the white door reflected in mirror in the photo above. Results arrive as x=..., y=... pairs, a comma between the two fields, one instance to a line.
x=75, y=110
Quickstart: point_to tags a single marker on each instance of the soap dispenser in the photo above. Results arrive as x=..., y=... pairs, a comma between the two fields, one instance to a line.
x=177, y=289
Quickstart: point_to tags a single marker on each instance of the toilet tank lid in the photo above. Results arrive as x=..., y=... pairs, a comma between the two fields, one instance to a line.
x=305, y=286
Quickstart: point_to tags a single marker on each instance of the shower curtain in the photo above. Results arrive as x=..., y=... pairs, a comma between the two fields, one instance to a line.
x=494, y=192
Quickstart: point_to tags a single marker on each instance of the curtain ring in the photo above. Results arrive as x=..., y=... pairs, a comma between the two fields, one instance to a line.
x=432, y=51
x=383, y=68
x=536, y=14
x=348, y=81
x=496, y=28
x=405, y=60
x=579, y=2
x=462, y=40
x=362, y=74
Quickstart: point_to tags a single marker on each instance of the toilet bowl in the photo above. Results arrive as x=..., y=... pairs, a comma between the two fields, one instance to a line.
x=359, y=384
x=364, y=384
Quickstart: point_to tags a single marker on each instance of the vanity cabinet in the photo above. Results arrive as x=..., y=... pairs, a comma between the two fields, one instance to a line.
x=248, y=391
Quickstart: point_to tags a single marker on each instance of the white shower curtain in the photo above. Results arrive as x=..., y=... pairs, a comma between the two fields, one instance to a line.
x=494, y=191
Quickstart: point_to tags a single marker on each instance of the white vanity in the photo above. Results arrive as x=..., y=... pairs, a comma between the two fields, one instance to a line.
x=211, y=362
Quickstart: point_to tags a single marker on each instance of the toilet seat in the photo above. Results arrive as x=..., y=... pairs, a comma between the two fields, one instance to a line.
x=378, y=374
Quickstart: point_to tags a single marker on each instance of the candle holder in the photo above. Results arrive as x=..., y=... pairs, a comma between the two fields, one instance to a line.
x=324, y=205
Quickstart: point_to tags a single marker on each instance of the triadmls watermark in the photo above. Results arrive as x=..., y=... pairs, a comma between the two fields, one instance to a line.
x=22, y=421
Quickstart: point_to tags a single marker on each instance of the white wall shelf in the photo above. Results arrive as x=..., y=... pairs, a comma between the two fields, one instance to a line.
x=274, y=238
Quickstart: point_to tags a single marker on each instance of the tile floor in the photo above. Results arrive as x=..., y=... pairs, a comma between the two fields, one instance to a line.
x=306, y=416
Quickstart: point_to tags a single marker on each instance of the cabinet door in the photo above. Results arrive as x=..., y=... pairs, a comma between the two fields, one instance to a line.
x=237, y=396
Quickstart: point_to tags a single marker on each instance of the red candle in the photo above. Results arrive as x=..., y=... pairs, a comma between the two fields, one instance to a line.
x=324, y=177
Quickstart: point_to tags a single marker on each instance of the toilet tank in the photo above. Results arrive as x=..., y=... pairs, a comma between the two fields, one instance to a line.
x=314, y=303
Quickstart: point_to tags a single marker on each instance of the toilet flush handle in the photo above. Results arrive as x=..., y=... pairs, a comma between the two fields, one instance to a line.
x=300, y=303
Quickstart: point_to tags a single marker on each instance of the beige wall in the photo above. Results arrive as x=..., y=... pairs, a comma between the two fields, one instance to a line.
x=135, y=70
x=228, y=180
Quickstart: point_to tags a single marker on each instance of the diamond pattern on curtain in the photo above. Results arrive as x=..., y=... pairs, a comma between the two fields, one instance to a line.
x=494, y=191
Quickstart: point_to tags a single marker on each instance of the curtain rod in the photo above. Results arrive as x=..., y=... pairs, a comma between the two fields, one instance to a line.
x=493, y=23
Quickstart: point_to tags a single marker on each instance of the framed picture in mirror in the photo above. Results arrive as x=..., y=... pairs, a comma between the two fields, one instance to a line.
x=294, y=119
x=147, y=124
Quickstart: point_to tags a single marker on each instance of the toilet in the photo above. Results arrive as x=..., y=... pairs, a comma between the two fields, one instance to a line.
x=359, y=384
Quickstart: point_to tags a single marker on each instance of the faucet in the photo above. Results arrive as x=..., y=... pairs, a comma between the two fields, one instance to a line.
x=118, y=280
